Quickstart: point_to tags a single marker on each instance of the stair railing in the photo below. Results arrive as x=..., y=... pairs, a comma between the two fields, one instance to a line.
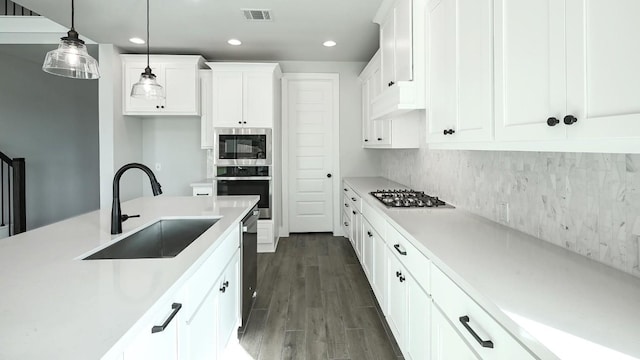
x=10, y=8
x=13, y=194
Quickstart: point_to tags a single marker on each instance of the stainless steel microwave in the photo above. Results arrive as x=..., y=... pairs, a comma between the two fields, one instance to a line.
x=242, y=146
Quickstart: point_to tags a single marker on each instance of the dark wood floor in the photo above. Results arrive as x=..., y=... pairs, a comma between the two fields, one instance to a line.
x=314, y=302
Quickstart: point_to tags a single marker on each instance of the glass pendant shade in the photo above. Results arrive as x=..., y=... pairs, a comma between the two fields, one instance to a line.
x=147, y=87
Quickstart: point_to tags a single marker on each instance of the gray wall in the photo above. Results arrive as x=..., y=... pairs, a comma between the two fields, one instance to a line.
x=53, y=123
x=586, y=203
x=174, y=144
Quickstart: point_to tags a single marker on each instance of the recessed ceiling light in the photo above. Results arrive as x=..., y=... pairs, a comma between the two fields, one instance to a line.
x=137, y=40
x=329, y=43
x=234, y=42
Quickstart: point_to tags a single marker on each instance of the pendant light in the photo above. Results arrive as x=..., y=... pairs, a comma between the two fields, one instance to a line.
x=147, y=87
x=71, y=58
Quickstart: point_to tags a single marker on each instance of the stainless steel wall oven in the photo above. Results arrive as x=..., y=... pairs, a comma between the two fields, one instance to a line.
x=247, y=180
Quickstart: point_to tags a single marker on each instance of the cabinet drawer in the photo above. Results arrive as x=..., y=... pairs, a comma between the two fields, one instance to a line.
x=375, y=219
x=458, y=307
x=353, y=197
x=202, y=281
x=416, y=263
x=203, y=191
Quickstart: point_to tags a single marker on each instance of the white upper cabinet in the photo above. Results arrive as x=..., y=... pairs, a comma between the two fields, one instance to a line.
x=530, y=69
x=244, y=94
x=460, y=70
x=177, y=74
x=402, y=58
x=603, y=81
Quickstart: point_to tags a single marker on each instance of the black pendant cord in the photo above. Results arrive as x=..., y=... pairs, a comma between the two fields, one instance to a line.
x=148, y=62
x=73, y=15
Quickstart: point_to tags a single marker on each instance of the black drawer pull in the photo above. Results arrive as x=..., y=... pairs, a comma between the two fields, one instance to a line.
x=369, y=234
x=397, y=246
x=402, y=278
x=202, y=194
x=398, y=273
x=485, y=343
x=346, y=205
x=354, y=212
x=346, y=190
x=159, y=328
x=353, y=199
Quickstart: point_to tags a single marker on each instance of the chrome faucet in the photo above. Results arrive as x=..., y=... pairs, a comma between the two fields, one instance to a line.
x=116, y=214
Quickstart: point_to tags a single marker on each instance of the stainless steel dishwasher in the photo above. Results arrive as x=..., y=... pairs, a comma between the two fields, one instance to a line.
x=249, y=262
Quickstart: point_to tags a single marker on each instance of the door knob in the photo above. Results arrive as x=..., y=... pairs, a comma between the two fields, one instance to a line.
x=553, y=121
x=570, y=119
x=329, y=175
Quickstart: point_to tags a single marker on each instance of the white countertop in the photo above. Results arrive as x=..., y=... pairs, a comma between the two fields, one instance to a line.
x=55, y=306
x=573, y=306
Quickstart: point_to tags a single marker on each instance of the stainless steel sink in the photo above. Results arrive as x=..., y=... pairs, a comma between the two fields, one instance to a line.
x=163, y=239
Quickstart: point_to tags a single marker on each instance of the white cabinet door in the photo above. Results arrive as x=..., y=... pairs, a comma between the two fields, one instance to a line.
x=198, y=339
x=229, y=303
x=366, y=112
x=367, y=250
x=258, y=99
x=132, y=71
x=603, y=55
x=161, y=345
x=442, y=69
x=181, y=91
x=356, y=231
x=381, y=132
x=474, y=58
x=379, y=283
x=397, y=298
x=387, y=50
x=227, y=98
x=445, y=342
x=206, y=115
x=418, y=322
x=403, y=55
x=530, y=63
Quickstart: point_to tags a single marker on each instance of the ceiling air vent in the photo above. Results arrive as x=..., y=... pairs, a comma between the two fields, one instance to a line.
x=257, y=14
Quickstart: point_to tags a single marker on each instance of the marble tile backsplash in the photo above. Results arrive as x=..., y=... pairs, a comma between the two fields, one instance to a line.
x=586, y=203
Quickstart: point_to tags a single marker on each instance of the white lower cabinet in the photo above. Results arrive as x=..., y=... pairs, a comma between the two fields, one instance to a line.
x=199, y=320
x=379, y=270
x=481, y=332
x=417, y=342
x=445, y=341
x=159, y=338
x=368, y=239
x=397, y=299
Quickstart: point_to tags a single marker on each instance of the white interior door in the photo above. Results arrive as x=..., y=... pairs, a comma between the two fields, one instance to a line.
x=310, y=111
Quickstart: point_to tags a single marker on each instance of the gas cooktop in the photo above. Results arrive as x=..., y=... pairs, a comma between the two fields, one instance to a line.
x=404, y=198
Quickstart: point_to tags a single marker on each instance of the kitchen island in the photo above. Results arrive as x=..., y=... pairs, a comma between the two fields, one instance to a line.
x=556, y=303
x=55, y=305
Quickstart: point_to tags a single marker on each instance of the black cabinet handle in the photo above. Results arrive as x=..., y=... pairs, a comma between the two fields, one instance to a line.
x=391, y=83
x=465, y=322
x=223, y=289
x=346, y=205
x=398, y=273
x=354, y=212
x=397, y=246
x=225, y=284
x=553, y=121
x=240, y=122
x=329, y=175
x=346, y=223
x=162, y=106
x=345, y=189
x=157, y=106
x=244, y=122
x=446, y=132
x=570, y=119
x=449, y=132
x=369, y=234
x=402, y=278
x=159, y=328
x=202, y=194
x=353, y=199
x=379, y=139
x=366, y=140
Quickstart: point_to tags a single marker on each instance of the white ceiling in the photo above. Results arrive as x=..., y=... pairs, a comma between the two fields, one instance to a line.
x=298, y=29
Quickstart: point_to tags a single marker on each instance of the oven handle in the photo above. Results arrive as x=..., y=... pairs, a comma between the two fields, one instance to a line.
x=244, y=178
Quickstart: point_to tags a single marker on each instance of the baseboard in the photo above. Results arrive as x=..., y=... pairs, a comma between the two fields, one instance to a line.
x=4, y=231
x=266, y=248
